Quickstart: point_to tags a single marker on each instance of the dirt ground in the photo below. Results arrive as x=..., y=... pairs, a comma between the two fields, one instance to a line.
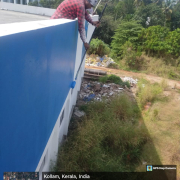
x=151, y=78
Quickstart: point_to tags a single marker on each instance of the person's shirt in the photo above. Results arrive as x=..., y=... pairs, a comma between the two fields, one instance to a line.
x=71, y=9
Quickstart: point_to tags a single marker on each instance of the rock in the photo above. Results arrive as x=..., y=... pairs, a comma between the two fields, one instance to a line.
x=79, y=113
x=106, y=86
x=130, y=80
x=97, y=87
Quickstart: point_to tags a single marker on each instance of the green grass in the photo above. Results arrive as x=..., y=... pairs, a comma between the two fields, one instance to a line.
x=114, y=79
x=148, y=92
x=109, y=138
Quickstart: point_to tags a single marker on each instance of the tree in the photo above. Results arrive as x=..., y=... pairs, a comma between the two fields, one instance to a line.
x=153, y=11
x=124, y=9
x=106, y=29
x=167, y=10
x=175, y=17
x=154, y=40
x=127, y=31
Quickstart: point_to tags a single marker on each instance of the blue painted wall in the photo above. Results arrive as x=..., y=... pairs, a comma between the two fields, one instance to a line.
x=36, y=71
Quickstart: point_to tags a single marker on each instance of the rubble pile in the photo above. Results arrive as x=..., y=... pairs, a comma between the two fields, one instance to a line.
x=132, y=81
x=104, y=61
x=96, y=91
x=93, y=90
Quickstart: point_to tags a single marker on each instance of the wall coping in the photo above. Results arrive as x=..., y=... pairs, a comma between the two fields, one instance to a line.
x=12, y=28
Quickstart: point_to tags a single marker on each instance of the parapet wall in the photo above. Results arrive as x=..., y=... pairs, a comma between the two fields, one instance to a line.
x=38, y=62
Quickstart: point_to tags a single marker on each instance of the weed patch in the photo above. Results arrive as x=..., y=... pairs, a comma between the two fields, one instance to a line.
x=114, y=79
x=109, y=138
x=148, y=92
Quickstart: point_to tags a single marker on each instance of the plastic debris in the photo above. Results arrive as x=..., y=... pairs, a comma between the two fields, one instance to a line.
x=98, y=61
x=79, y=113
x=89, y=98
x=130, y=80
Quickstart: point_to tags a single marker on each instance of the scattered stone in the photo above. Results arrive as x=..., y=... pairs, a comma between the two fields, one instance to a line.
x=95, y=91
x=78, y=113
x=97, y=87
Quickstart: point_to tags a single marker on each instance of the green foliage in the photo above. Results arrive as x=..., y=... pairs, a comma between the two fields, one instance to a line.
x=175, y=17
x=114, y=79
x=124, y=9
x=106, y=29
x=35, y=3
x=159, y=40
x=131, y=56
x=108, y=139
x=148, y=92
x=127, y=31
x=50, y=4
x=154, y=39
x=98, y=47
x=153, y=11
x=46, y=3
x=173, y=43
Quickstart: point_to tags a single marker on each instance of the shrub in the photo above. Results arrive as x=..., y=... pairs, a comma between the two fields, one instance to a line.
x=98, y=47
x=147, y=92
x=46, y=3
x=127, y=31
x=35, y=3
x=154, y=40
x=131, y=56
x=157, y=40
x=114, y=79
x=173, y=43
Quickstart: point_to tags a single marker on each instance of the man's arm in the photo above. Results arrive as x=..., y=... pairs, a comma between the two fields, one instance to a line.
x=81, y=17
x=89, y=19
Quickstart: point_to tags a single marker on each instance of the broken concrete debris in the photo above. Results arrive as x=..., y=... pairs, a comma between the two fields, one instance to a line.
x=78, y=113
x=96, y=91
x=93, y=90
x=130, y=80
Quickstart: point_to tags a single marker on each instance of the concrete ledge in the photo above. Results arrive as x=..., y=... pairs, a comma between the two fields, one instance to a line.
x=27, y=9
x=7, y=29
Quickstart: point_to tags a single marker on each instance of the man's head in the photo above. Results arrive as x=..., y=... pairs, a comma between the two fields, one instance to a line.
x=90, y=3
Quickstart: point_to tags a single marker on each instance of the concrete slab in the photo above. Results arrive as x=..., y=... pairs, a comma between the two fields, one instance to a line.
x=11, y=17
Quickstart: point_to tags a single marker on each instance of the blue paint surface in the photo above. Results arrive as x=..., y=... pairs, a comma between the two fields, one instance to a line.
x=36, y=72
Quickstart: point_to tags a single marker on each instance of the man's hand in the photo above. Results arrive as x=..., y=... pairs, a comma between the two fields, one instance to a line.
x=86, y=45
x=96, y=23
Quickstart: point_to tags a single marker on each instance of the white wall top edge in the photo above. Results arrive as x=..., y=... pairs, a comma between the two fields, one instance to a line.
x=12, y=28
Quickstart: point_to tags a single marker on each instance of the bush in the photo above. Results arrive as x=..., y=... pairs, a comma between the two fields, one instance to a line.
x=98, y=47
x=46, y=3
x=131, y=56
x=157, y=40
x=154, y=40
x=148, y=92
x=114, y=79
x=127, y=31
x=35, y=3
